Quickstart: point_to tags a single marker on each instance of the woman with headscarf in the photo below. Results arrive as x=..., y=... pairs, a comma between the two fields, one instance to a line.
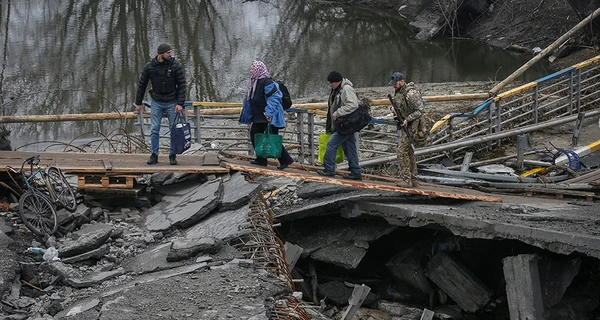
x=264, y=108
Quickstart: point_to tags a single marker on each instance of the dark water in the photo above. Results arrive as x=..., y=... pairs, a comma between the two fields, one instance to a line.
x=83, y=56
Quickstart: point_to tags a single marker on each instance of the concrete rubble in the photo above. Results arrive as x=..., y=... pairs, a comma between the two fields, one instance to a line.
x=184, y=246
x=420, y=259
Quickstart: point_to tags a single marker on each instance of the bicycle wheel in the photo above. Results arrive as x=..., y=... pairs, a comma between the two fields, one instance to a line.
x=59, y=189
x=37, y=213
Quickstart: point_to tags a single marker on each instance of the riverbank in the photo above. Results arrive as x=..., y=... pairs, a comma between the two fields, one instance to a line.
x=511, y=24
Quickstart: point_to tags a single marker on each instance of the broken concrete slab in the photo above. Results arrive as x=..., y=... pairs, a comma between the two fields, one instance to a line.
x=179, y=177
x=555, y=277
x=221, y=225
x=153, y=277
x=118, y=307
x=93, y=279
x=406, y=268
x=182, y=211
x=576, y=308
x=87, y=242
x=340, y=253
x=79, y=308
x=237, y=192
x=492, y=221
x=8, y=268
x=81, y=215
x=452, y=277
x=338, y=293
x=428, y=22
x=308, y=190
x=5, y=240
x=92, y=254
x=323, y=206
x=5, y=228
x=71, y=276
x=343, y=242
x=523, y=288
x=151, y=260
x=182, y=249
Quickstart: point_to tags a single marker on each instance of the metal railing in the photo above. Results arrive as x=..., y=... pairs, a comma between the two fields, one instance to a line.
x=573, y=90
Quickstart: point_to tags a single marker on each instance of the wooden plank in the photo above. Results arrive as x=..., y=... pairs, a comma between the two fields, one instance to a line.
x=107, y=164
x=90, y=163
x=103, y=182
x=359, y=184
x=304, y=168
x=133, y=192
x=561, y=192
x=589, y=177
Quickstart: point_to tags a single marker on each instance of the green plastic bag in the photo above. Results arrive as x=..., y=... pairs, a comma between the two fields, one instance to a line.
x=268, y=145
x=323, y=138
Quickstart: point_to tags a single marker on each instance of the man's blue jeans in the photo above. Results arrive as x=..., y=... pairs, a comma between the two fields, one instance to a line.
x=350, y=147
x=157, y=109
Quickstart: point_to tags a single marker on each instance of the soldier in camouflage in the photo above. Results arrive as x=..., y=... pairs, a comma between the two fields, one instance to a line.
x=410, y=104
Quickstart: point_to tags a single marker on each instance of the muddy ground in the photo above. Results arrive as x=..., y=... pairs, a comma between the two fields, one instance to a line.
x=502, y=23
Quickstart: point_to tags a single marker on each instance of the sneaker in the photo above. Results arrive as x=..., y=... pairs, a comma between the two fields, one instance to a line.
x=414, y=184
x=353, y=176
x=153, y=159
x=258, y=163
x=172, y=159
x=326, y=173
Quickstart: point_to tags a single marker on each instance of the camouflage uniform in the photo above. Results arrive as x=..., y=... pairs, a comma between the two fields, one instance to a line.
x=410, y=104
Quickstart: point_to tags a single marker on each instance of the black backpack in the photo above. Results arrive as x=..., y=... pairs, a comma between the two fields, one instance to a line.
x=286, y=99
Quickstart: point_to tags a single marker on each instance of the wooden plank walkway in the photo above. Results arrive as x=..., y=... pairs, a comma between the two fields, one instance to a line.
x=305, y=173
x=115, y=163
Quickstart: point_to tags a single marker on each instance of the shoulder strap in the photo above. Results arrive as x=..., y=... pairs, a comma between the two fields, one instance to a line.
x=272, y=92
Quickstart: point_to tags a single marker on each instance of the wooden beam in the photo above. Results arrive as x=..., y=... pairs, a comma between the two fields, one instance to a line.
x=359, y=184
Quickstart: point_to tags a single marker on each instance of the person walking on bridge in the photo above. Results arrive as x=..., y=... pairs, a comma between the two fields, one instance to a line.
x=265, y=109
x=410, y=105
x=342, y=101
x=168, y=95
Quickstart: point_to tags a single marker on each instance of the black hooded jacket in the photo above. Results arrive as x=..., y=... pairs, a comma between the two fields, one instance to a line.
x=168, y=82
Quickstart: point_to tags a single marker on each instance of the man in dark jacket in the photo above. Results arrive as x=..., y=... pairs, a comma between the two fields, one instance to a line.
x=168, y=94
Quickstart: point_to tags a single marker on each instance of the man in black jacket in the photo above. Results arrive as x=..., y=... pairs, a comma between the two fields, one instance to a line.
x=168, y=94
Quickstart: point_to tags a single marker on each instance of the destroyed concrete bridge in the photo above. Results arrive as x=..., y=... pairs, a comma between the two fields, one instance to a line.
x=438, y=250
x=364, y=233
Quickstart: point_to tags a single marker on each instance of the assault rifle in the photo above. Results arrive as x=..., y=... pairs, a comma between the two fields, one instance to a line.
x=399, y=116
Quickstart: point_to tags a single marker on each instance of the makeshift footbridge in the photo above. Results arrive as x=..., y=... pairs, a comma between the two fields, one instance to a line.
x=129, y=166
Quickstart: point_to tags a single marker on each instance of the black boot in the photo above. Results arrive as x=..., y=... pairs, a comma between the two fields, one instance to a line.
x=172, y=159
x=153, y=159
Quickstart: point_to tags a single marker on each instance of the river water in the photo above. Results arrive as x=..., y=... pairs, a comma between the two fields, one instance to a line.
x=61, y=57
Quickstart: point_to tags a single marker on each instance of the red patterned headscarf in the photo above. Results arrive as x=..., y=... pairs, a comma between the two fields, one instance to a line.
x=257, y=71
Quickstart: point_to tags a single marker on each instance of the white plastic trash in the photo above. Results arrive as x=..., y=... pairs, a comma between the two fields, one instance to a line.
x=51, y=254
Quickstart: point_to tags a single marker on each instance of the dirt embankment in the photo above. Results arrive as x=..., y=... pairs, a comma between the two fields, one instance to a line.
x=524, y=24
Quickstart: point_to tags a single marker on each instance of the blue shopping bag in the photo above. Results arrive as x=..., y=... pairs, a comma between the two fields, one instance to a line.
x=181, y=135
x=246, y=114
